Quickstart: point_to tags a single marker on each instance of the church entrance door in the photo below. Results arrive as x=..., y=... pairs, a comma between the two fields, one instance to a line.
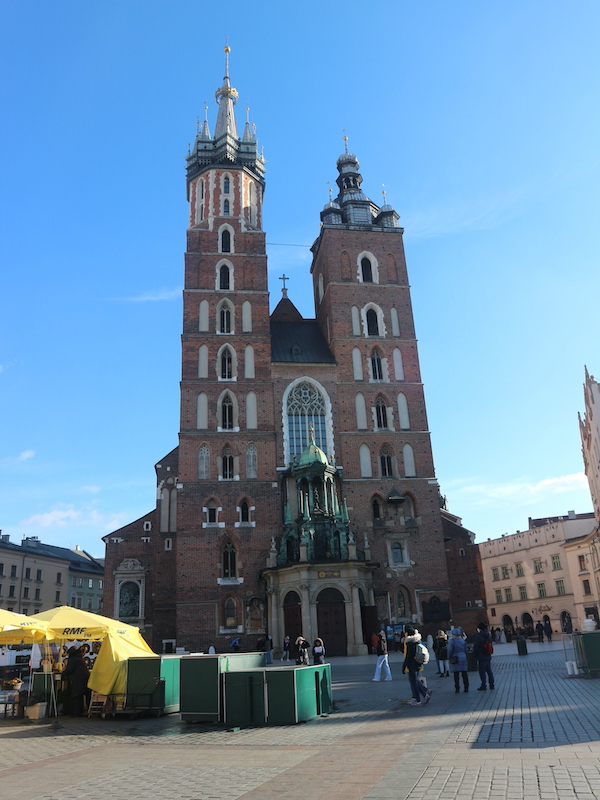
x=292, y=617
x=331, y=622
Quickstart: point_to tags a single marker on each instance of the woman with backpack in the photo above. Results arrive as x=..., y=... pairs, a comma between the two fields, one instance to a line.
x=482, y=650
x=412, y=665
x=440, y=648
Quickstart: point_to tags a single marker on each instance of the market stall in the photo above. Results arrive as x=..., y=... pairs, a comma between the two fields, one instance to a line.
x=65, y=624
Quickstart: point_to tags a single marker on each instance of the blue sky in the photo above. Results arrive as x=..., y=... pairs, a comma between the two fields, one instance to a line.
x=481, y=119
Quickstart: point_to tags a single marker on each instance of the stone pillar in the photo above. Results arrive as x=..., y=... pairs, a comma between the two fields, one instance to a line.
x=356, y=646
x=306, y=622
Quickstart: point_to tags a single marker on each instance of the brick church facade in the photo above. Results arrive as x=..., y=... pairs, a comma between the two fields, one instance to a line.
x=302, y=496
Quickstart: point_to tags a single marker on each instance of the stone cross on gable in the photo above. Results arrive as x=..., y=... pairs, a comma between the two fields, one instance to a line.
x=283, y=279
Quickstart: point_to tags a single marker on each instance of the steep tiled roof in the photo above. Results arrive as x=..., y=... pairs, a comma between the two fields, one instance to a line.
x=299, y=342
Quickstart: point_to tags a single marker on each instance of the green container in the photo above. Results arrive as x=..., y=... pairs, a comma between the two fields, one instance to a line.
x=153, y=684
x=587, y=652
x=278, y=695
x=201, y=687
x=245, y=697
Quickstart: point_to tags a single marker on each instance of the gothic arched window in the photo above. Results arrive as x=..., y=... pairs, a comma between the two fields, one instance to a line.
x=381, y=413
x=225, y=208
x=385, y=460
x=367, y=270
x=372, y=323
x=227, y=413
x=225, y=318
x=244, y=512
x=376, y=508
x=227, y=464
x=226, y=364
x=229, y=561
x=225, y=241
x=305, y=409
x=224, y=276
x=376, y=366
x=226, y=184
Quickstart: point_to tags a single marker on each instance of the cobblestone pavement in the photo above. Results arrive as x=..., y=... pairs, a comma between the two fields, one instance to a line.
x=537, y=735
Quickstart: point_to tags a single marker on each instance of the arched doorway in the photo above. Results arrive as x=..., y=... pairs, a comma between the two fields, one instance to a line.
x=527, y=623
x=507, y=623
x=331, y=621
x=292, y=616
x=566, y=623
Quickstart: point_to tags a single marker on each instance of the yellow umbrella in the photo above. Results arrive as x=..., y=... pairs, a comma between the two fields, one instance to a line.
x=22, y=629
x=66, y=623
x=10, y=619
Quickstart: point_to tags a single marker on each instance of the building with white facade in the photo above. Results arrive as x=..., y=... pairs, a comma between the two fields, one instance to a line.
x=535, y=575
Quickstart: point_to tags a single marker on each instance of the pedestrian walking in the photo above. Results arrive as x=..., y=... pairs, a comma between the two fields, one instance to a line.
x=457, y=659
x=303, y=648
x=482, y=650
x=382, y=659
x=440, y=648
x=548, y=630
x=318, y=652
x=412, y=665
x=539, y=629
x=269, y=649
x=286, y=649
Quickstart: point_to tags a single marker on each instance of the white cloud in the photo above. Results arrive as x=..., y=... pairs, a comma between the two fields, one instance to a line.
x=57, y=518
x=26, y=455
x=157, y=296
x=91, y=489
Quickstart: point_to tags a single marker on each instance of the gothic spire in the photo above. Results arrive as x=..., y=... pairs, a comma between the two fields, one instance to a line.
x=226, y=97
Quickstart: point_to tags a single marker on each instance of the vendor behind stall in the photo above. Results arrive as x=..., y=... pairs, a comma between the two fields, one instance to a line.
x=77, y=675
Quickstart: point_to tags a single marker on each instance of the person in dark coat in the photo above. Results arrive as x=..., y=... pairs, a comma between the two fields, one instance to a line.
x=484, y=660
x=77, y=675
x=548, y=630
x=421, y=695
x=539, y=629
x=457, y=659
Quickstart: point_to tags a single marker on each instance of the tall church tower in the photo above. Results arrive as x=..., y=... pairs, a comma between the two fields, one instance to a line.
x=302, y=496
x=363, y=307
x=226, y=439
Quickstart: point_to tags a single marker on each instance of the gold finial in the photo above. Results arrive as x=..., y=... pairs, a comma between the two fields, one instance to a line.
x=345, y=143
x=384, y=193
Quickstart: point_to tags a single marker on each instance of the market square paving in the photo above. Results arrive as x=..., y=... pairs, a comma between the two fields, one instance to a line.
x=537, y=735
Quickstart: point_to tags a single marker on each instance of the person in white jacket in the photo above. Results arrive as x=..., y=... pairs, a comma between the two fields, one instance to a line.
x=420, y=694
